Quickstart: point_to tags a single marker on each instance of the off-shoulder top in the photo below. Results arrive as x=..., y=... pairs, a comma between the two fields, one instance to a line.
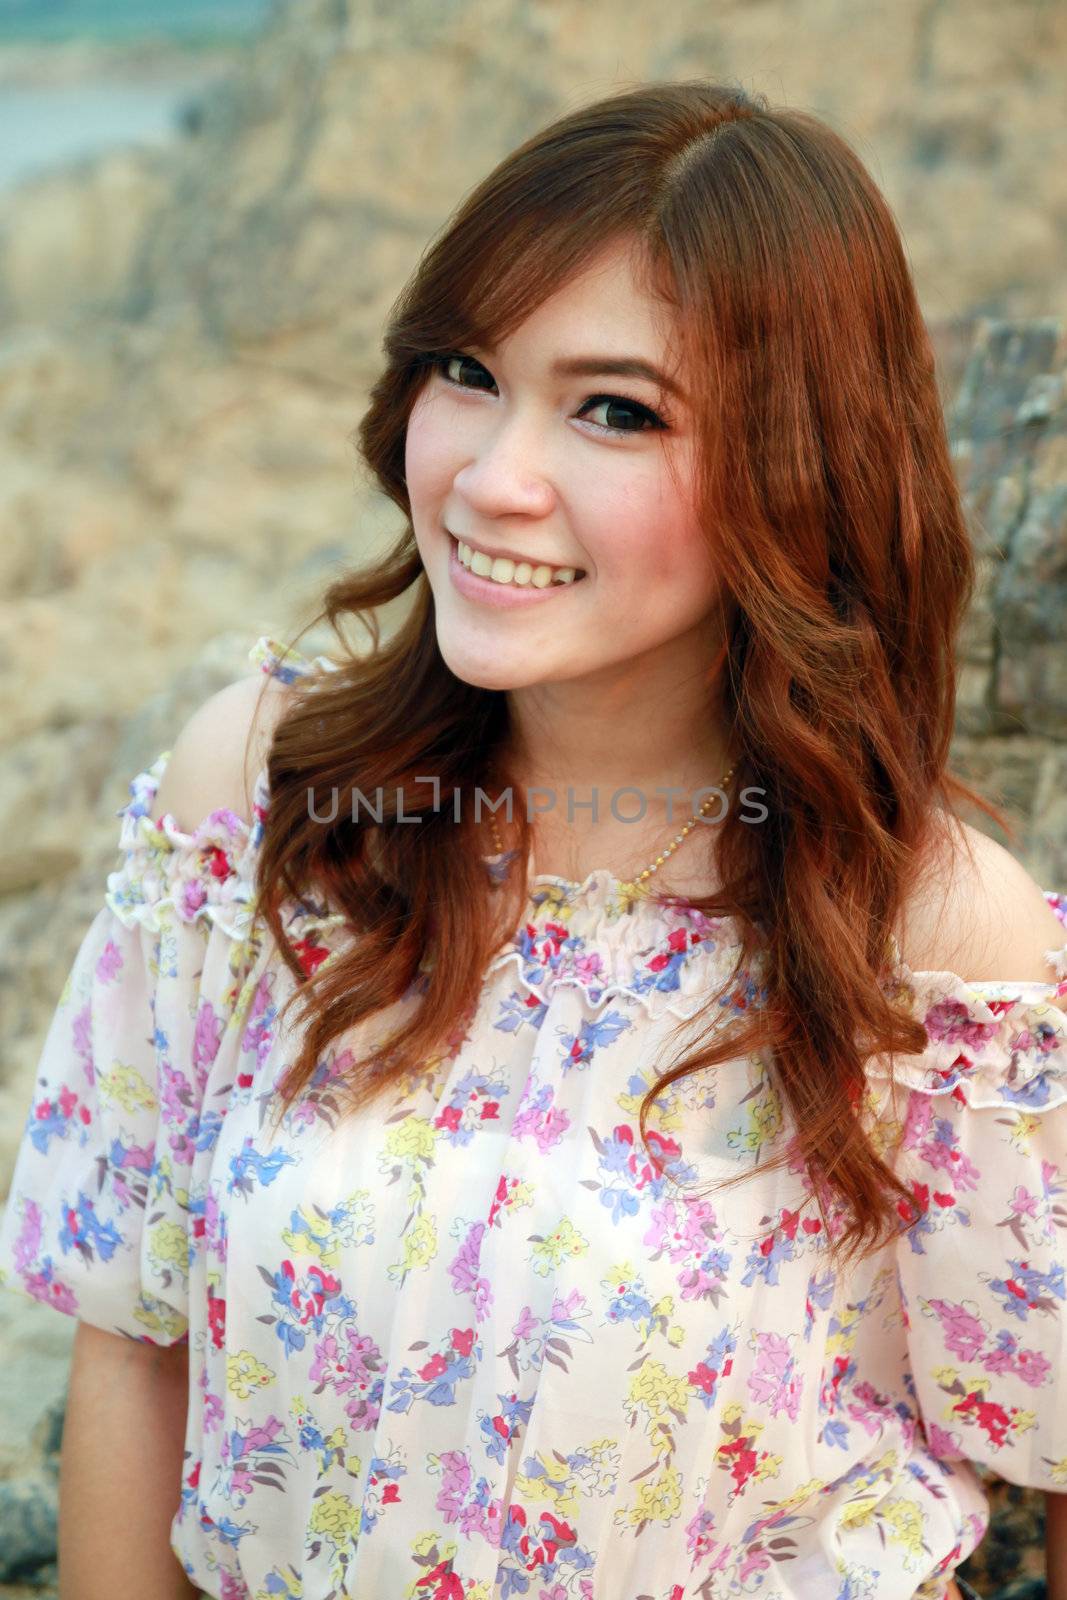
x=471, y=1344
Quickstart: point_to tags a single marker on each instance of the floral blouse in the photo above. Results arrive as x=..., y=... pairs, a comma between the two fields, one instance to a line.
x=470, y=1345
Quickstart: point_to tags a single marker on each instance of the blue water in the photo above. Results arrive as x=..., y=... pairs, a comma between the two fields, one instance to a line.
x=54, y=124
x=45, y=125
x=189, y=21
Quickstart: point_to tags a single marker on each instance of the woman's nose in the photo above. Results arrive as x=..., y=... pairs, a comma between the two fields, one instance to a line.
x=506, y=474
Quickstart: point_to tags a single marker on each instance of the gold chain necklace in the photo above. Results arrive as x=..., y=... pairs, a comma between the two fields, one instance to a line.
x=634, y=887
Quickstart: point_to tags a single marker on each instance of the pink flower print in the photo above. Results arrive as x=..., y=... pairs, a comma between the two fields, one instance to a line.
x=1033, y=1368
x=752, y=1561
x=538, y=1118
x=193, y=895
x=942, y=1444
x=211, y=1407
x=28, y=1242
x=109, y=962
x=459, y=1499
x=526, y=1324
x=206, y=1038
x=589, y=966
x=42, y=1286
x=951, y=1022
x=571, y=1305
x=1023, y=1203
x=963, y=1331
x=868, y=1408
x=233, y=1587
x=81, y=1035
x=463, y=1270
x=775, y=1381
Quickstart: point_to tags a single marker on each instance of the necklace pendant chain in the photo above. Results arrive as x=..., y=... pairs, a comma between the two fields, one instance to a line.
x=639, y=887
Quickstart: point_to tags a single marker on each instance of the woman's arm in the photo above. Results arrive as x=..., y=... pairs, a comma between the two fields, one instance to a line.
x=1056, y=1545
x=121, y=1469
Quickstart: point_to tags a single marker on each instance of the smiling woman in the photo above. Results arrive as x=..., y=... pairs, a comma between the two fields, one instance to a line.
x=582, y=1207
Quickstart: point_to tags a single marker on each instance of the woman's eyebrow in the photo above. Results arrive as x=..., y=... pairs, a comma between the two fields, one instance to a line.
x=614, y=367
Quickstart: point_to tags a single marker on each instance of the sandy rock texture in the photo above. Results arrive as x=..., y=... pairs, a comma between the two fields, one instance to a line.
x=187, y=337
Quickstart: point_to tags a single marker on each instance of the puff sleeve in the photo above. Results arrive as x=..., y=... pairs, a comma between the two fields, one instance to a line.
x=982, y=1272
x=100, y=1220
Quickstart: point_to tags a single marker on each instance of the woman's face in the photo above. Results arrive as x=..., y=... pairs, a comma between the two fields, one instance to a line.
x=523, y=461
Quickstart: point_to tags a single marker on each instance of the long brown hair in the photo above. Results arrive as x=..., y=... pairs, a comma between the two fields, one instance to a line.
x=830, y=507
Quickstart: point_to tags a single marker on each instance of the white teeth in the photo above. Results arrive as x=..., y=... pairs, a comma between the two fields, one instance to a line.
x=502, y=570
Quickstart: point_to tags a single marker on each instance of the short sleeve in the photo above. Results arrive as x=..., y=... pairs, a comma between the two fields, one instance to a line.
x=101, y=1218
x=982, y=1271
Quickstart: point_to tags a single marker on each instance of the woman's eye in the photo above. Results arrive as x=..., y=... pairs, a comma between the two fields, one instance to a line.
x=643, y=419
x=616, y=403
x=446, y=362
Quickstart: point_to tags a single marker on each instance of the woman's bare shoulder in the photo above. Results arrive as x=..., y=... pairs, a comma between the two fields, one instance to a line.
x=976, y=911
x=221, y=750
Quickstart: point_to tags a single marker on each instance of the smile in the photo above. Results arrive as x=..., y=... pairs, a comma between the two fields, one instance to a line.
x=508, y=572
x=508, y=594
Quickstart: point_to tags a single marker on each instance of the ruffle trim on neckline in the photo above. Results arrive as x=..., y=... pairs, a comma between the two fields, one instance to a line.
x=992, y=1043
x=670, y=957
x=999, y=1043
x=207, y=873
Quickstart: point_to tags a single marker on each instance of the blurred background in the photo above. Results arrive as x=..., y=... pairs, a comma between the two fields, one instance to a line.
x=206, y=210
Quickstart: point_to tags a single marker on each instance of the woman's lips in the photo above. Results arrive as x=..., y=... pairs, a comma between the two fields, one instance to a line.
x=505, y=595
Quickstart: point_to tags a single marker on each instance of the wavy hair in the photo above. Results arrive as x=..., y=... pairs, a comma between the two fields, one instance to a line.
x=830, y=507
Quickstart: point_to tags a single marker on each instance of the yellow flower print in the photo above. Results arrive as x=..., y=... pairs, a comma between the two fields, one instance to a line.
x=1023, y=1421
x=654, y=1390
x=244, y=1374
x=1059, y=1473
x=335, y=1517
x=156, y=1316
x=906, y=1521
x=803, y=1492
x=549, y=1486
x=124, y=1086
x=426, y=1544
x=414, y=1139
x=420, y=1247
x=597, y=1467
x=675, y=1335
x=658, y=1500
x=841, y=1342
x=168, y=1246
x=621, y=1272
x=769, y=1467
x=549, y=1252
x=858, y=1513
x=1022, y=1125
x=764, y=1123
x=350, y=1223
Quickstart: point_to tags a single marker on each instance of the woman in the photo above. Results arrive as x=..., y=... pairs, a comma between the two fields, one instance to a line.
x=549, y=1203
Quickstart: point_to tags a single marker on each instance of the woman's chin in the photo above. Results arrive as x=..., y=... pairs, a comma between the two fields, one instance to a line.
x=488, y=669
